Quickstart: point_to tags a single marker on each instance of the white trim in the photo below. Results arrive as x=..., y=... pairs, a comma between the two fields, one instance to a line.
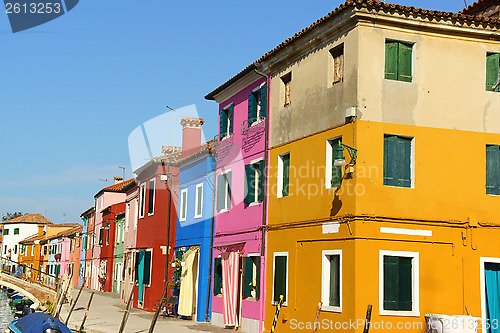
x=226, y=191
x=228, y=134
x=280, y=254
x=196, y=203
x=257, y=160
x=259, y=86
x=412, y=158
x=330, y=228
x=280, y=175
x=154, y=195
x=325, y=280
x=482, y=283
x=329, y=160
x=150, y=268
x=183, y=212
x=142, y=201
x=402, y=231
x=415, y=312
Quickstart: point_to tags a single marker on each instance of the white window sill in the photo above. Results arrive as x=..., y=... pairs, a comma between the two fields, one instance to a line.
x=226, y=137
x=257, y=121
x=198, y=216
x=224, y=210
x=255, y=203
x=151, y=214
x=331, y=308
x=182, y=220
x=400, y=313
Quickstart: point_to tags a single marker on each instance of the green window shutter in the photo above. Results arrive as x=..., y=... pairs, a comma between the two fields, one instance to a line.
x=261, y=193
x=405, y=284
x=221, y=192
x=231, y=118
x=492, y=69
x=223, y=123
x=334, y=280
x=257, y=280
x=390, y=160
x=252, y=108
x=147, y=267
x=404, y=62
x=286, y=174
x=280, y=271
x=248, y=279
x=263, y=101
x=493, y=169
x=391, y=283
x=249, y=183
x=228, y=180
x=404, y=145
x=336, y=170
x=391, y=60
x=217, y=276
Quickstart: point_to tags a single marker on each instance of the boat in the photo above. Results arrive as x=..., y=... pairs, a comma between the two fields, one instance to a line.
x=38, y=322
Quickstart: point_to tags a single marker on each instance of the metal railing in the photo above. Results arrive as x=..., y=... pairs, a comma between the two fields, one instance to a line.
x=28, y=274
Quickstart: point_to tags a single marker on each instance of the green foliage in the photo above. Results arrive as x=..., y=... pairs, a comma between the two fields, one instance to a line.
x=10, y=216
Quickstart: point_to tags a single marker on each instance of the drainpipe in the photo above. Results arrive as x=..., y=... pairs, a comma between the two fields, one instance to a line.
x=264, y=203
x=168, y=229
x=212, y=227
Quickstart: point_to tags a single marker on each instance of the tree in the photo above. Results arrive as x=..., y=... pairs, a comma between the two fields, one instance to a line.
x=10, y=216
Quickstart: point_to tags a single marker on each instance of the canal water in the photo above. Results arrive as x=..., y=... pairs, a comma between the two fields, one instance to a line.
x=6, y=315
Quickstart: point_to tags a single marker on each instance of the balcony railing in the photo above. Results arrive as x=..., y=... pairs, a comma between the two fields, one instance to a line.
x=28, y=274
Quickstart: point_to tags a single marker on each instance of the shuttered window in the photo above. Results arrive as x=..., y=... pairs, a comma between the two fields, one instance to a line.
x=334, y=276
x=226, y=121
x=251, y=279
x=398, y=61
x=224, y=191
x=336, y=169
x=287, y=84
x=143, y=200
x=16, y=231
x=493, y=169
x=338, y=63
x=183, y=205
x=492, y=71
x=199, y=201
x=280, y=276
x=254, y=182
x=397, y=161
x=285, y=174
x=398, y=283
x=257, y=104
x=147, y=267
x=217, y=276
x=151, y=197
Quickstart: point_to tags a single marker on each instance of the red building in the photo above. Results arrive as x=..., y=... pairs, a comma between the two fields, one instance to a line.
x=107, y=239
x=157, y=221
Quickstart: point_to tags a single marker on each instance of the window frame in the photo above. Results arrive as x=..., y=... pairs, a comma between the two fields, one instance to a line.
x=281, y=174
x=142, y=200
x=488, y=54
x=5, y=232
x=286, y=81
x=280, y=254
x=183, y=212
x=415, y=312
x=335, y=53
x=16, y=231
x=488, y=186
x=412, y=160
x=330, y=153
x=151, y=205
x=198, y=203
x=412, y=70
x=325, y=280
x=230, y=119
x=226, y=208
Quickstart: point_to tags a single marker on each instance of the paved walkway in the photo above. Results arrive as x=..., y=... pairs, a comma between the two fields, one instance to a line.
x=106, y=313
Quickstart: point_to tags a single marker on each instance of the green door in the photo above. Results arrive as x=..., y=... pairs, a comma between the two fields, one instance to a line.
x=140, y=275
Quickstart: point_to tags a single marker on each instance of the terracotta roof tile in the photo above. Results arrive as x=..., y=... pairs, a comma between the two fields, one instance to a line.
x=29, y=218
x=351, y=3
x=477, y=6
x=118, y=187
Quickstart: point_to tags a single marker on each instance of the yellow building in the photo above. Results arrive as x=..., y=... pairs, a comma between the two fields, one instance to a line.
x=413, y=228
x=30, y=256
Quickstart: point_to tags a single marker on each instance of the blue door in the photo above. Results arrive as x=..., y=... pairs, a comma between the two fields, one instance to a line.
x=492, y=282
x=140, y=275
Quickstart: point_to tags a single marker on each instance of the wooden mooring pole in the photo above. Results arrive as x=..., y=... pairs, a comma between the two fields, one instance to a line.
x=74, y=303
x=316, y=318
x=125, y=314
x=368, y=318
x=86, y=313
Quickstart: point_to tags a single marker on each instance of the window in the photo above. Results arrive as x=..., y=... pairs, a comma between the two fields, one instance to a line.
x=147, y=267
x=287, y=89
x=15, y=249
x=251, y=279
x=16, y=231
x=333, y=173
x=183, y=205
x=492, y=71
x=226, y=121
x=257, y=104
x=398, y=59
x=493, y=169
x=217, y=276
x=22, y=249
x=398, y=161
x=224, y=191
x=338, y=63
x=5, y=249
x=5, y=232
x=331, y=288
x=142, y=200
x=107, y=233
x=32, y=250
x=280, y=276
x=198, y=201
x=101, y=236
x=283, y=175
x=398, y=274
x=151, y=197
x=254, y=185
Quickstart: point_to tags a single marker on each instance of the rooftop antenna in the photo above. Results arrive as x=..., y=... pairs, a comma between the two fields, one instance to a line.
x=123, y=168
x=174, y=122
x=465, y=2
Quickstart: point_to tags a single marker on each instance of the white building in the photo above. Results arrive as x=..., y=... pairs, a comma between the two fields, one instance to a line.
x=18, y=229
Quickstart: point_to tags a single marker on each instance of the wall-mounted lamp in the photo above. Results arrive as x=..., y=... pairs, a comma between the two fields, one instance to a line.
x=339, y=155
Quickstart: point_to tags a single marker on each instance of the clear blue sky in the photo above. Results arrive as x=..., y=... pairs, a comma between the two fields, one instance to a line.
x=73, y=89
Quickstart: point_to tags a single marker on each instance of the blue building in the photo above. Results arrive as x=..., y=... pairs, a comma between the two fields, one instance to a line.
x=87, y=217
x=194, y=229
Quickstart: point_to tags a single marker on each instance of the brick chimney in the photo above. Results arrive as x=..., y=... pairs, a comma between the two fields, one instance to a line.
x=118, y=180
x=191, y=135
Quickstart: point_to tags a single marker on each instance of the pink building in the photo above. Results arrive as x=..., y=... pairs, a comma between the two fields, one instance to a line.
x=240, y=221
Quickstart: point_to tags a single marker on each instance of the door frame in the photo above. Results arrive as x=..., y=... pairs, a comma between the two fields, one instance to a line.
x=482, y=262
